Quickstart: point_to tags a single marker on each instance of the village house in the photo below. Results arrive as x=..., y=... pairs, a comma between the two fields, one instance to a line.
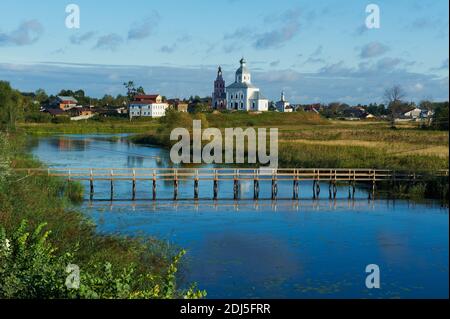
x=147, y=106
x=413, y=114
x=64, y=103
x=82, y=113
x=178, y=105
x=356, y=113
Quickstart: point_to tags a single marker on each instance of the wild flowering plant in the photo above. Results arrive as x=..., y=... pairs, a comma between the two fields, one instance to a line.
x=30, y=268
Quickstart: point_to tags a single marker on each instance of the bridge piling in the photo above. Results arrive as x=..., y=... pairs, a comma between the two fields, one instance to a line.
x=154, y=186
x=196, y=186
x=236, y=186
x=175, y=186
x=274, y=185
x=133, y=190
x=91, y=186
x=215, y=185
x=111, y=186
x=255, y=185
x=295, y=186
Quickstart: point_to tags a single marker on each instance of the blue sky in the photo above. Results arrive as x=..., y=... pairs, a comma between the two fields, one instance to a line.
x=317, y=51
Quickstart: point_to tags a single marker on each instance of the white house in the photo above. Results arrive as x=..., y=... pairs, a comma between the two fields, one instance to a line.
x=414, y=113
x=283, y=105
x=242, y=95
x=147, y=106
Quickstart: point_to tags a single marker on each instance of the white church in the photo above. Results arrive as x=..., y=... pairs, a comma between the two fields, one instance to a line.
x=242, y=95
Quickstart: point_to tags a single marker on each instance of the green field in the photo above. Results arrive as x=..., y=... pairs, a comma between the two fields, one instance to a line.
x=307, y=140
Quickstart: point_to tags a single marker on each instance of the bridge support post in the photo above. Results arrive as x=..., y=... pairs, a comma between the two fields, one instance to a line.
x=133, y=190
x=351, y=190
x=295, y=186
x=373, y=189
x=274, y=189
x=256, y=188
x=91, y=186
x=196, y=188
x=236, y=186
x=236, y=189
x=216, y=188
x=154, y=186
x=316, y=189
x=334, y=189
x=274, y=186
x=175, y=186
x=372, y=192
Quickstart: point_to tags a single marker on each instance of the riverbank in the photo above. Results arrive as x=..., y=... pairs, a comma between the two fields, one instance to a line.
x=90, y=126
x=41, y=232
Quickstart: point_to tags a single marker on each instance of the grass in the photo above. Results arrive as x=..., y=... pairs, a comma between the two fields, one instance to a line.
x=90, y=126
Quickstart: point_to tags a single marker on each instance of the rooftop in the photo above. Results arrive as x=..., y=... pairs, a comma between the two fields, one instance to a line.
x=67, y=98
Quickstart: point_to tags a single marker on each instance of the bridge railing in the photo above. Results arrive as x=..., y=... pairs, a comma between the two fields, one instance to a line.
x=237, y=175
x=311, y=174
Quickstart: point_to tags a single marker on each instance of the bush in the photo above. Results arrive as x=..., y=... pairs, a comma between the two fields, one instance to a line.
x=61, y=119
x=29, y=268
x=38, y=117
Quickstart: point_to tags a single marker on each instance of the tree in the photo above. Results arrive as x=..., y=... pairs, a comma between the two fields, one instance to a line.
x=132, y=91
x=11, y=106
x=393, y=97
x=107, y=100
x=41, y=96
x=440, y=117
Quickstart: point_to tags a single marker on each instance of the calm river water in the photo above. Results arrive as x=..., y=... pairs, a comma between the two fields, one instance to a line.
x=283, y=249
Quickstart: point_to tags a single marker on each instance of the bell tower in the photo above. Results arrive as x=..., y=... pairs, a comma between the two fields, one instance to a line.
x=219, y=97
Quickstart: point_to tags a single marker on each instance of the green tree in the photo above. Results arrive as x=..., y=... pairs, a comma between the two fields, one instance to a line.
x=132, y=90
x=440, y=117
x=41, y=96
x=11, y=106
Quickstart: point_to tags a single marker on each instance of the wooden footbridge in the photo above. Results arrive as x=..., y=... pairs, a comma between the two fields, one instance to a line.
x=332, y=177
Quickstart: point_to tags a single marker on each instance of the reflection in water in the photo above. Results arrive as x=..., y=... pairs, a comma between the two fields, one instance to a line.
x=67, y=144
x=272, y=249
x=135, y=161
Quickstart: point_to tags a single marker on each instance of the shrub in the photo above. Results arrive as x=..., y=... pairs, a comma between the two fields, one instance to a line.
x=61, y=119
x=29, y=268
x=38, y=117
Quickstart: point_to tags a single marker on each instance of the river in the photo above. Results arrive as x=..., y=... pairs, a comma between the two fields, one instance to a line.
x=283, y=249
